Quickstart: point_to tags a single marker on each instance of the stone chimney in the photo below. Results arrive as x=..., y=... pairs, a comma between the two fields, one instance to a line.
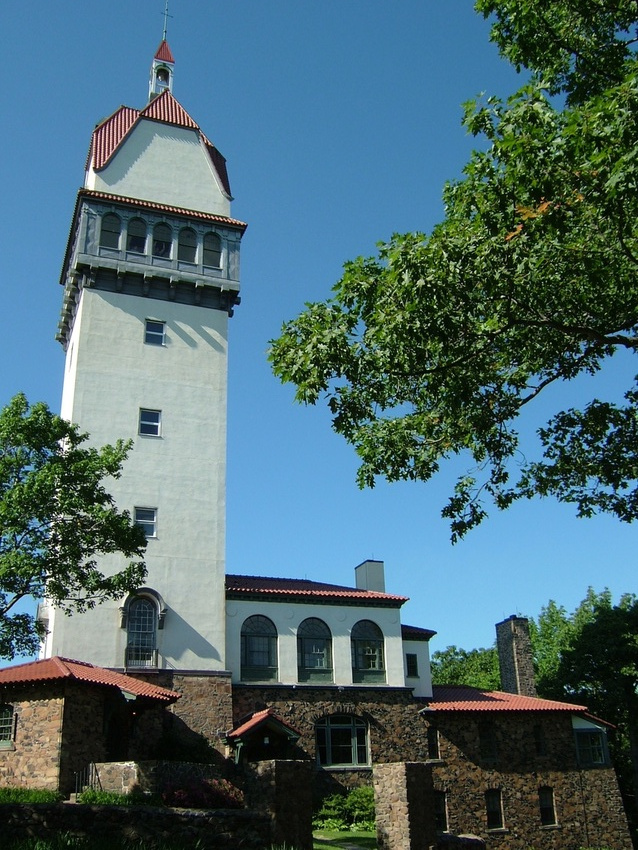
x=370, y=575
x=515, y=659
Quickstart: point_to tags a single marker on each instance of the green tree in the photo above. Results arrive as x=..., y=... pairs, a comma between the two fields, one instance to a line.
x=55, y=517
x=433, y=348
x=476, y=667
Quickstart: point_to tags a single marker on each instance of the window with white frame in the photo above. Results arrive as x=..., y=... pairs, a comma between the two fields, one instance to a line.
x=154, y=332
x=591, y=747
x=342, y=741
x=314, y=651
x=146, y=518
x=259, y=650
x=7, y=726
x=141, y=626
x=150, y=422
x=368, y=663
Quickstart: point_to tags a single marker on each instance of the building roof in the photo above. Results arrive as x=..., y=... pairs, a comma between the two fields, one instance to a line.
x=416, y=633
x=110, y=133
x=163, y=53
x=57, y=668
x=263, y=587
x=268, y=718
x=464, y=698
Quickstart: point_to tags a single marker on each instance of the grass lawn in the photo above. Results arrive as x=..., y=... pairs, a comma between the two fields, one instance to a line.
x=326, y=839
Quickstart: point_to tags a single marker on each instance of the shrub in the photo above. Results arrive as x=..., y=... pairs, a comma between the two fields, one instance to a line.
x=343, y=812
x=93, y=797
x=204, y=794
x=29, y=795
x=360, y=807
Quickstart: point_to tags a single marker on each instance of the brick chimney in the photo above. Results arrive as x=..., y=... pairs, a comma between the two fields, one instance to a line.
x=515, y=659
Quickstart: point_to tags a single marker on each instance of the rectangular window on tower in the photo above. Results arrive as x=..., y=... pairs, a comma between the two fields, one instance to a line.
x=147, y=519
x=150, y=422
x=154, y=332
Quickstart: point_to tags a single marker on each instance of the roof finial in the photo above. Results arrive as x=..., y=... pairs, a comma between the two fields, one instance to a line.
x=166, y=17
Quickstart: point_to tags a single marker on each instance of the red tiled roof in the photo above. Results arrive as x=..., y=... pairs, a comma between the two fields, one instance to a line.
x=203, y=216
x=416, y=633
x=110, y=133
x=56, y=668
x=163, y=53
x=462, y=698
x=289, y=587
x=259, y=718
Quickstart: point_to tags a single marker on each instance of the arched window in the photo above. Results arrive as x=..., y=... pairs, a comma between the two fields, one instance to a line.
x=368, y=664
x=212, y=250
x=187, y=245
x=162, y=241
x=136, y=236
x=314, y=651
x=7, y=726
x=110, y=229
x=141, y=628
x=342, y=739
x=259, y=650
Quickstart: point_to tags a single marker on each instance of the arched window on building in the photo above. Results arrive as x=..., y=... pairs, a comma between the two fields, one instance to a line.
x=212, y=250
x=162, y=241
x=314, y=651
x=187, y=245
x=259, y=650
x=368, y=664
x=136, y=236
x=142, y=615
x=7, y=726
x=110, y=229
x=342, y=739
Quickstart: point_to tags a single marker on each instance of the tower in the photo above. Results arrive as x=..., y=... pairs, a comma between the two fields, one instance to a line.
x=150, y=276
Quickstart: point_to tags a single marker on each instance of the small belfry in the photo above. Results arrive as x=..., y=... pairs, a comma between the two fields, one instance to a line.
x=151, y=278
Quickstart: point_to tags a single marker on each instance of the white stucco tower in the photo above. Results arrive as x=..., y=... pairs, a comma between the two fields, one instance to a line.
x=151, y=275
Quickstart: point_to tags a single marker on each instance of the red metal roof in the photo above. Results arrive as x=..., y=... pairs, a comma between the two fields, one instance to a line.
x=416, y=633
x=108, y=135
x=166, y=109
x=56, y=668
x=258, y=719
x=202, y=216
x=163, y=53
x=290, y=587
x=462, y=698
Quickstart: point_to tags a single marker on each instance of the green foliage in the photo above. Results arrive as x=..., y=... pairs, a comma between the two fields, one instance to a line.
x=433, y=348
x=476, y=667
x=343, y=812
x=29, y=795
x=95, y=797
x=68, y=841
x=56, y=517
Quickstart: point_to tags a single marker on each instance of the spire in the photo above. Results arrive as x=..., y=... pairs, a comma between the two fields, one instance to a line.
x=163, y=64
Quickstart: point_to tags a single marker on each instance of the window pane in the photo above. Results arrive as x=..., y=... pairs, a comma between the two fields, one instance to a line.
x=493, y=809
x=147, y=518
x=136, y=236
x=546, y=803
x=154, y=332
x=142, y=623
x=212, y=250
x=162, y=241
x=150, y=421
x=440, y=811
x=6, y=723
x=110, y=231
x=187, y=246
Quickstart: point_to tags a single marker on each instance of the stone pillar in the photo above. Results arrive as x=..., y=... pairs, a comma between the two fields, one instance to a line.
x=404, y=801
x=283, y=790
x=515, y=660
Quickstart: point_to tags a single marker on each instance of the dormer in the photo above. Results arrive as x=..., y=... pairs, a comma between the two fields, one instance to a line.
x=162, y=69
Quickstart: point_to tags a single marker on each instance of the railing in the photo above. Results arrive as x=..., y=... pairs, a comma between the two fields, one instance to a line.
x=87, y=778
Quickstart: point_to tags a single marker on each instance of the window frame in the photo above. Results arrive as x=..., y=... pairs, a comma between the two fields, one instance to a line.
x=316, y=646
x=494, y=809
x=166, y=251
x=7, y=726
x=367, y=644
x=338, y=733
x=148, y=524
x=259, y=637
x=141, y=652
x=207, y=251
x=591, y=747
x=136, y=242
x=153, y=336
x=116, y=234
x=440, y=811
x=434, y=743
x=150, y=422
x=187, y=253
x=547, y=805
x=411, y=665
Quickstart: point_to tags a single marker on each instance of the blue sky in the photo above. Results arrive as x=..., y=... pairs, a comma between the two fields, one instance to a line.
x=340, y=121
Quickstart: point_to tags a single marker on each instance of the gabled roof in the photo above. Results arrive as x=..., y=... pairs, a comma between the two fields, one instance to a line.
x=163, y=53
x=263, y=587
x=416, y=633
x=57, y=668
x=110, y=133
x=267, y=718
x=463, y=698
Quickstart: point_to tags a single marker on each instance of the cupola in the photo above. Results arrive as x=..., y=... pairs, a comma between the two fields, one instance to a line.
x=162, y=70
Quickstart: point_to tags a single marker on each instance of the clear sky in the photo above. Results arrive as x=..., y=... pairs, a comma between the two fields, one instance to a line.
x=340, y=121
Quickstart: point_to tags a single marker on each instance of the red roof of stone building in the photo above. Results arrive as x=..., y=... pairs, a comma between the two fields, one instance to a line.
x=110, y=133
x=57, y=668
x=258, y=719
x=287, y=588
x=163, y=53
x=464, y=698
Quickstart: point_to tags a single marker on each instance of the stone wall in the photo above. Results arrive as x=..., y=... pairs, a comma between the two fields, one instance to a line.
x=587, y=802
x=208, y=830
x=404, y=806
x=83, y=737
x=282, y=790
x=33, y=761
x=515, y=658
x=151, y=776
